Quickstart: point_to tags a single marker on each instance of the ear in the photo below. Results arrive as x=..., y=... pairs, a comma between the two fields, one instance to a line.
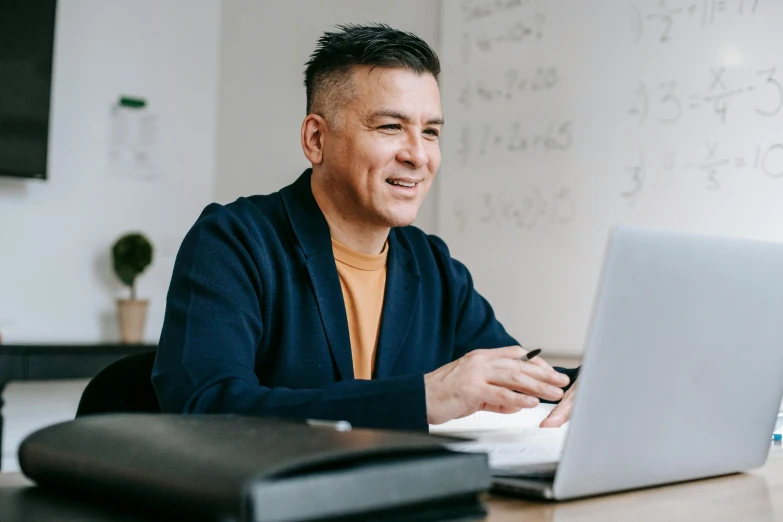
x=313, y=131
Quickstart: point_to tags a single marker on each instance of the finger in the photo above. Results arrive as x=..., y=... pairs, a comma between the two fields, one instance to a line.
x=521, y=381
x=561, y=414
x=508, y=352
x=547, y=373
x=500, y=397
x=517, y=352
x=549, y=376
x=500, y=409
x=539, y=361
x=556, y=418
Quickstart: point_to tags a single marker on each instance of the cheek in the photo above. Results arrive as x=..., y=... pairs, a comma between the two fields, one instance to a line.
x=434, y=159
x=373, y=155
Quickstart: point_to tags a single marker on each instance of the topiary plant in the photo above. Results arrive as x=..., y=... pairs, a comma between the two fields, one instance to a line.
x=132, y=254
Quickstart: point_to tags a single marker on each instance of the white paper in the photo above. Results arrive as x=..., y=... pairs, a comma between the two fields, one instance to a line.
x=510, y=440
x=514, y=448
x=133, y=143
x=485, y=420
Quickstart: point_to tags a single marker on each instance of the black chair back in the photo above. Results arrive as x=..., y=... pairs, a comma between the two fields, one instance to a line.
x=125, y=386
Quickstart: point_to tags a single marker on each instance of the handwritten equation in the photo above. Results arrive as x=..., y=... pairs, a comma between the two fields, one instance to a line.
x=525, y=211
x=513, y=84
x=473, y=10
x=492, y=139
x=713, y=166
x=509, y=35
x=666, y=16
x=668, y=105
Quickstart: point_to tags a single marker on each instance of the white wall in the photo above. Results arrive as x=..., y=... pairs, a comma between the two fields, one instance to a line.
x=55, y=278
x=229, y=110
x=262, y=97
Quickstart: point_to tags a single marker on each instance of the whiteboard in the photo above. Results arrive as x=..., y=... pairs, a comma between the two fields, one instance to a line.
x=566, y=117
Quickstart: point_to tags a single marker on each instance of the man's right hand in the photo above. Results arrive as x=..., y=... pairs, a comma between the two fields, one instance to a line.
x=491, y=380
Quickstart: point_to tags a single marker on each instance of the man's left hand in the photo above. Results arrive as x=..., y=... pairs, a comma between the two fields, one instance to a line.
x=562, y=412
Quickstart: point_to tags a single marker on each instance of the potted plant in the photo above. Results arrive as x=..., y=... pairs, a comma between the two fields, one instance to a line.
x=131, y=255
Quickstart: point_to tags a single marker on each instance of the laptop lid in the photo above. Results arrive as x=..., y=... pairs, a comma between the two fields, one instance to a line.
x=683, y=369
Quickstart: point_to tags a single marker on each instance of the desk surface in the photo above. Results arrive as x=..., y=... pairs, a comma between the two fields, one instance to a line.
x=757, y=495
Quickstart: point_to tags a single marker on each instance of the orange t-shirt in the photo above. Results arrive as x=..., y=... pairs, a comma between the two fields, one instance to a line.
x=363, y=281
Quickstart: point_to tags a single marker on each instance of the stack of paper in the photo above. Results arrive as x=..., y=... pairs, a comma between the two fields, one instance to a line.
x=511, y=440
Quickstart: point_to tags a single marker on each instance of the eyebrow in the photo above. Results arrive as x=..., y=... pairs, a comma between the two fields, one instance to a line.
x=390, y=113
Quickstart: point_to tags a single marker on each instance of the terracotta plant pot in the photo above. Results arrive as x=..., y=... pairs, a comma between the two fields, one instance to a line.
x=132, y=314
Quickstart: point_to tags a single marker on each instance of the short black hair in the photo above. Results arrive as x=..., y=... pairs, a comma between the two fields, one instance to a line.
x=376, y=45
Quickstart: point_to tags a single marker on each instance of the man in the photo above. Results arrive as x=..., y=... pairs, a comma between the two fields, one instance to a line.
x=319, y=301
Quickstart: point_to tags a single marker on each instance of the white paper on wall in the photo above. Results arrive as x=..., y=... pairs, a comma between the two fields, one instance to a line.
x=133, y=143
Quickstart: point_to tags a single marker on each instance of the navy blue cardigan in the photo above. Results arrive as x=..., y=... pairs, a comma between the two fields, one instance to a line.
x=255, y=321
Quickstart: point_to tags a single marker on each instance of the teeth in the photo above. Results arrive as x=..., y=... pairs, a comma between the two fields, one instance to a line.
x=402, y=183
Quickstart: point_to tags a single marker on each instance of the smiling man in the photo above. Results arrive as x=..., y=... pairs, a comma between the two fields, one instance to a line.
x=320, y=300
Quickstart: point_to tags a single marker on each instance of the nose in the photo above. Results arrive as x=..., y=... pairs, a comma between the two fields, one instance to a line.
x=413, y=153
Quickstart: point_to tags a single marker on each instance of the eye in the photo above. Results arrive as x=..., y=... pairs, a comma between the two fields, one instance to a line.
x=391, y=127
x=432, y=132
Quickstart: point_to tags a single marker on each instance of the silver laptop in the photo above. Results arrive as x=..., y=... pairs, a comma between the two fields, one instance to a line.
x=683, y=371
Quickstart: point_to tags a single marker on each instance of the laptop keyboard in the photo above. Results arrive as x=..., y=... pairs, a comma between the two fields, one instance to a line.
x=542, y=472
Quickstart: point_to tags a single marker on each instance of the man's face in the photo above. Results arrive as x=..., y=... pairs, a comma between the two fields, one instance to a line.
x=382, y=158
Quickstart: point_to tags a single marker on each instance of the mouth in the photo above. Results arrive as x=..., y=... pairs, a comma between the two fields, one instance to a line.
x=403, y=182
x=406, y=189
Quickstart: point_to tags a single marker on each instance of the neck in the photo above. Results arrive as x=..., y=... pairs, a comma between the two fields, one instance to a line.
x=351, y=232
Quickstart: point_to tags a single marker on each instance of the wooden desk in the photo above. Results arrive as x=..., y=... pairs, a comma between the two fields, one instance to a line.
x=753, y=496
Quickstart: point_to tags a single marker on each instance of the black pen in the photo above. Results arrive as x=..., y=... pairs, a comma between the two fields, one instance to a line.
x=529, y=355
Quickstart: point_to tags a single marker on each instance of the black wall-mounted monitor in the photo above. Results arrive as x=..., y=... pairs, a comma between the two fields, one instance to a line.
x=26, y=52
